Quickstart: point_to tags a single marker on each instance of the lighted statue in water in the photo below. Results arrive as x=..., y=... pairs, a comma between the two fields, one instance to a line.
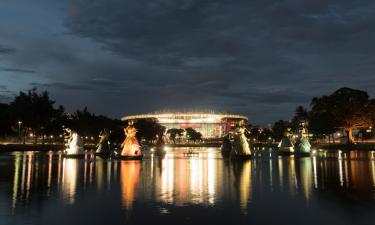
x=103, y=147
x=131, y=146
x=74, y=144
x=286, y=145
x=240, y=144
x=303, y=145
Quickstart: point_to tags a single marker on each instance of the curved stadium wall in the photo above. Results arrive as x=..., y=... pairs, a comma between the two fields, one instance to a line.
x=210, y=125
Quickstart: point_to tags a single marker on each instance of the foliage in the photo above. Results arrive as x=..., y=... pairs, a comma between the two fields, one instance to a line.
x=5, y=120
x=39, y=116
x=148, y=129
x=192, y=134
x=300, y=115
x=36, y=111
x=279, y=129
x=174, y=132
x=346, y=108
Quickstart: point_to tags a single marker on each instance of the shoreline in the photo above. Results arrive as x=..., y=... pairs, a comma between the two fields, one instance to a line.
x=34, y=147
x=57, y=147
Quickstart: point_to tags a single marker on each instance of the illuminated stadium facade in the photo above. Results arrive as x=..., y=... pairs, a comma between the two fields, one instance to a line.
x=210, y=125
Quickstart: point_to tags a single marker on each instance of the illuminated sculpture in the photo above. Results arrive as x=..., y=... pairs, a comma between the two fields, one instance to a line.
x=131, y=149
x=103, y=148
x=286, y=144
x=240, y=147
x=303, y=145
x=74, y=146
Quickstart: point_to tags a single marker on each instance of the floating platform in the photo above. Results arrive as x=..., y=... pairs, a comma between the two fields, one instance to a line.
x=302, y=154
x=285, y=153
x=297, y=154
x=190, y=154
x=74, y=156
x=240, y=157
x=130, y=157
x=103, y=155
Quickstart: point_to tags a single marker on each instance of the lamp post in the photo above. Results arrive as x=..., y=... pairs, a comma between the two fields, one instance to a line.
x=19, y=130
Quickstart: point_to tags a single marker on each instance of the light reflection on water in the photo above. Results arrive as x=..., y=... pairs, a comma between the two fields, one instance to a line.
x=176, y=181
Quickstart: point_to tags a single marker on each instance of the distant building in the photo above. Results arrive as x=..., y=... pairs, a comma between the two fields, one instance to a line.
x=210, y=125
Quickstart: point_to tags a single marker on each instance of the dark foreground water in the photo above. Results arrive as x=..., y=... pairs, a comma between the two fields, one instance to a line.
x=45, y=189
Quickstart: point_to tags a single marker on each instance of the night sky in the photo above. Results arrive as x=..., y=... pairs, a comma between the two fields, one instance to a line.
x=260, y=58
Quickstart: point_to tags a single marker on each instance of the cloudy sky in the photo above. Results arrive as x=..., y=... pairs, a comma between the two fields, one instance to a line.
x=261, y=58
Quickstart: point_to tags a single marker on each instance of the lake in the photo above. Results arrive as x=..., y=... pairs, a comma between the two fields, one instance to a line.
x=43, y=188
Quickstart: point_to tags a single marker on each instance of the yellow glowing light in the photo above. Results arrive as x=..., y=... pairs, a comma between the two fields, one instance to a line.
x=182, y=117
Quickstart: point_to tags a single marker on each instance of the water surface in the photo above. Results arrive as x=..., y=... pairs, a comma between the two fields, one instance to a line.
x=40, y=188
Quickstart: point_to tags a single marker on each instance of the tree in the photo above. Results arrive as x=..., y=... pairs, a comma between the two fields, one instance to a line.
x=5, y=120
x=266, y=135
x=148, y=129
x=35, y=111
x=174, y=132
x=193, y=135
x=346, y=108
x=321, y=123
x=301, y=115
x=279, y=129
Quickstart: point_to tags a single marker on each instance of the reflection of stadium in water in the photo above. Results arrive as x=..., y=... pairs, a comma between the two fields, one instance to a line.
x=210, y=125
x=189, y=181
x=205, y=180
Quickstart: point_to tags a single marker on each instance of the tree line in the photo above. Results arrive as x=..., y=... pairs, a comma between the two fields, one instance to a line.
x=345, y=110
x=33, y=113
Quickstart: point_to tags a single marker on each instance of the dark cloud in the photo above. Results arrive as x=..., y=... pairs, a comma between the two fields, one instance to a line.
x=6, y=50
x=62, y=86
x=233, y=55
x=17, y=70
x=261, y=58
x=185, y=32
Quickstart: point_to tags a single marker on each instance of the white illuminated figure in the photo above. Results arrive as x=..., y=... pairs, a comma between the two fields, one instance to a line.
x=286, y=145
x=240, y=143
x=74, y=144
x=303, y=145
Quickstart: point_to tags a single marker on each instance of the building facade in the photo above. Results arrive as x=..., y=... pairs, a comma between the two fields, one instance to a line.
x=210, y=125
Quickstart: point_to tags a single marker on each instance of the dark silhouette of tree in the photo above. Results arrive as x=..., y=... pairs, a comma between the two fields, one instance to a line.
x=90, y=125
x=300, y=115
x=148, y=129
x=174, y=132
x=266, y=135
x=5, y=120
x=193, y=135
x=36, y=111
x=346, y=109
x=321, y=124
x=279, y=129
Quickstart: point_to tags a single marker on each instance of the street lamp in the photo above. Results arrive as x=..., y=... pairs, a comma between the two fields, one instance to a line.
x=19, y=130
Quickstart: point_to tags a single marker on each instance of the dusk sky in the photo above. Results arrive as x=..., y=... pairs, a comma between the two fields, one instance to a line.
x=260, y=58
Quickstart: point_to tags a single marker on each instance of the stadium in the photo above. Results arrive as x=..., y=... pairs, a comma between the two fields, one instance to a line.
x=210, y=125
